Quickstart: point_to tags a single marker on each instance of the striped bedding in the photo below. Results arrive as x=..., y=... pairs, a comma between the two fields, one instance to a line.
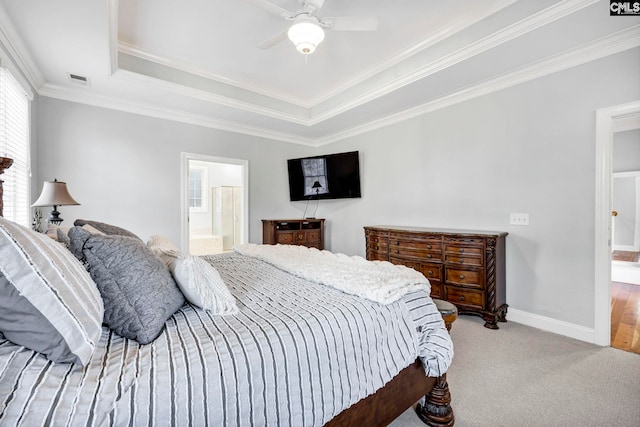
x=297, y=354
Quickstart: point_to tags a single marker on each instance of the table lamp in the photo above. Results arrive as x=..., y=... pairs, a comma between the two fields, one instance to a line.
x=55, y=193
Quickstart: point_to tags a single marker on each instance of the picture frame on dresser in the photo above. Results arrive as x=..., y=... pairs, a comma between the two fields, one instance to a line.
x=464, y=267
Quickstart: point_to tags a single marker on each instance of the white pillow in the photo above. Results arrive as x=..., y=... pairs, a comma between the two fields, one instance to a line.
x=202, y=285
x=198, y=280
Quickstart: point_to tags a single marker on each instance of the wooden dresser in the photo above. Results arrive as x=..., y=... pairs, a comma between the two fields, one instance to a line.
x=305, y=232
x=466, y=268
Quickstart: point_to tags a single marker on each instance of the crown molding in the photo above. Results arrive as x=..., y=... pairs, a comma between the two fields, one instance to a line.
x=600, y=48
x=130, y=49
x=87, y=97
x=470, y=18
x=502, y=36
x=12, y=42
x=462, y=22
x=526, y=25
x=208, y=96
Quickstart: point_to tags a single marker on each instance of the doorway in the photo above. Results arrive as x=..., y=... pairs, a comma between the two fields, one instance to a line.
x=608, y=121
x=214, y=203
x=625, y=267
x=625, y=235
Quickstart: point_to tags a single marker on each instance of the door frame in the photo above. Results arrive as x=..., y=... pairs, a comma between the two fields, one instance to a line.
x=184, y=193
x=608, y=120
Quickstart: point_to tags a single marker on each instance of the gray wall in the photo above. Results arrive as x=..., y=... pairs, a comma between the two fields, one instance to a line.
x=125, y=168
x=529, y=148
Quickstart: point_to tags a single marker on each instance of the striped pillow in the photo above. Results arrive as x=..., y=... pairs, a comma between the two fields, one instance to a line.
x=49, y=303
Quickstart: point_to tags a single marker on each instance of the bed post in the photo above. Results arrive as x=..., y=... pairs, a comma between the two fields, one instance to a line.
x=5, y=163
x=436, y=410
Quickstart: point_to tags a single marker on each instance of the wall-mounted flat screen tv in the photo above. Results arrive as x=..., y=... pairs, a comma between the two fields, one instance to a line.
x=331, y=176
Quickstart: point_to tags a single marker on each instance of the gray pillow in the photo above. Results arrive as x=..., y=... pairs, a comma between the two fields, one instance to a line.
x=48, y=302
x=138, y=291
x=109, y=229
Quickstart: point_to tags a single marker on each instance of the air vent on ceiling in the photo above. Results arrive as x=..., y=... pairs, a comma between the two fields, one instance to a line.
x=79, y=80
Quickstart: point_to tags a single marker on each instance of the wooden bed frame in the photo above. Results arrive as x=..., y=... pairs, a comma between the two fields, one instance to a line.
x=398, y=395
x=5, y=163
x=385, y=405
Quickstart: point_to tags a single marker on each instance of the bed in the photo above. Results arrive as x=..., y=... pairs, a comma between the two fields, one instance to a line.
x=295, y=352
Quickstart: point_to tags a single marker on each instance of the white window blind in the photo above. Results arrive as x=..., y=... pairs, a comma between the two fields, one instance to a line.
x=14, y=143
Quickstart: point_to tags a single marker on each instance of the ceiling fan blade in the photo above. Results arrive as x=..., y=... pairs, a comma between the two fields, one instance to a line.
x=351, y=23
x=273, y=40
x=272, y=8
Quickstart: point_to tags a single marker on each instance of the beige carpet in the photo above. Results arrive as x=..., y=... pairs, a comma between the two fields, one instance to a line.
x=522, y=376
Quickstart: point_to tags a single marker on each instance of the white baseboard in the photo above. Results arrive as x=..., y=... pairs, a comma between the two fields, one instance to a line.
x=560, y=327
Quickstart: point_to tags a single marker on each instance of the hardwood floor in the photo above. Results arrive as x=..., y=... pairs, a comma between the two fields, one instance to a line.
x=625, y=309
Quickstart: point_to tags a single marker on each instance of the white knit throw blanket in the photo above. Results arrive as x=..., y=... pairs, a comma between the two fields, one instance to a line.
x=378, y=281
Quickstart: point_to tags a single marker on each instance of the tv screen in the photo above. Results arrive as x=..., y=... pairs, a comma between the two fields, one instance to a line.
x=332, y=176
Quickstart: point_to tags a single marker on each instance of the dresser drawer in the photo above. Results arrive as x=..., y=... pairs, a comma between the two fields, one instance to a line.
x=437, y=290
x=463, y=260
x=422, y=244
x=466, y=297
x=433, y=272
x=285, y=238
x=313, y=236
x=464, y=277
x=462, y=250
x=377, y=246
x=377, y=256
x=468, y=241
x=400, y=252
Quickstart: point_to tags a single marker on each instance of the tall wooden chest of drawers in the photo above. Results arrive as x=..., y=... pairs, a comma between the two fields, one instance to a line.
x=466, y=268
x=304, y=232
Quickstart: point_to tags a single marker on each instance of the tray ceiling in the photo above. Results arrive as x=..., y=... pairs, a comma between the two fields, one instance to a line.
x=197, y=61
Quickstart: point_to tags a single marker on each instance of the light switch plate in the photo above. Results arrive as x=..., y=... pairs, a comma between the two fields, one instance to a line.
x=519, y=219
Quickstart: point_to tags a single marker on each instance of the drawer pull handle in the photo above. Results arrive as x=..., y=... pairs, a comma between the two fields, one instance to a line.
x=430, y=272
x=461, y=298
x=397, y=243
x=462, y=276
x=375, y=240
x=397, y=251
x=428, y=255
x=461, y=250
x=377, y=247
x=461, y=261
x=428, y=246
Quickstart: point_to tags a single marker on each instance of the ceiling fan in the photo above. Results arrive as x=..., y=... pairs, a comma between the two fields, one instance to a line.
x=307, y=30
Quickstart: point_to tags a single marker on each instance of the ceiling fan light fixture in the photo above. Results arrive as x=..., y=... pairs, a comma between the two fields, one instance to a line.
x=306, y=35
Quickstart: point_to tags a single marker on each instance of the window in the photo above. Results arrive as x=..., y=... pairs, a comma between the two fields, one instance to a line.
x=14, y=143
x=198, y=182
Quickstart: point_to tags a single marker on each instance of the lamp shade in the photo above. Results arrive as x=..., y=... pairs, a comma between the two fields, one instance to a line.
x=55, y=193
x=306, y=34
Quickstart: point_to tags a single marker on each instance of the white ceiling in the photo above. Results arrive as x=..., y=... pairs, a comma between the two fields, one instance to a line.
x=196, y=61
